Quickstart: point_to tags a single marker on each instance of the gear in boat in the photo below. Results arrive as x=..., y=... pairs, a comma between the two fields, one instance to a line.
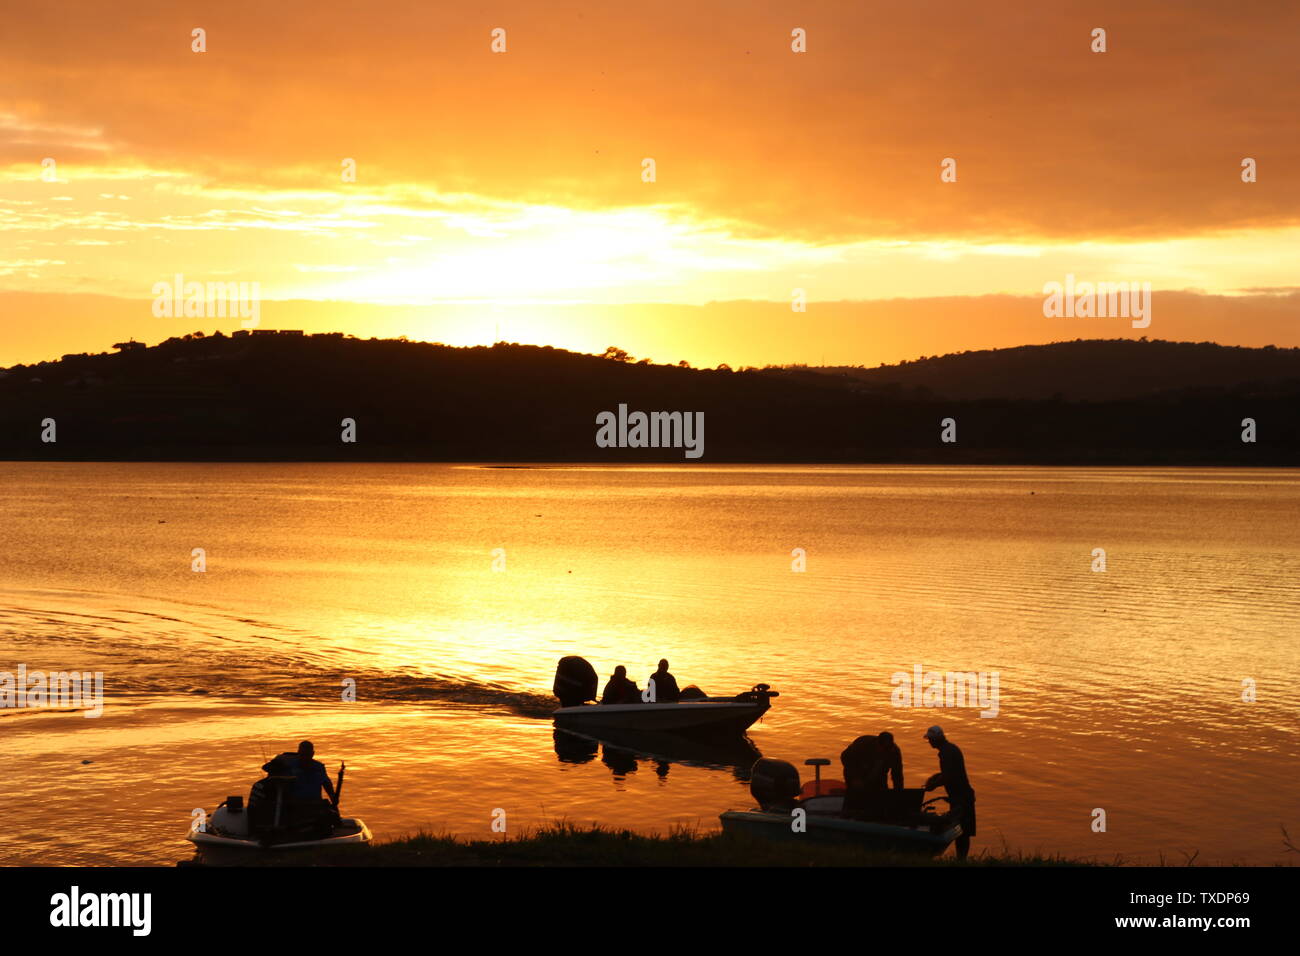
x=277, y=816
x=906, y=822
x=692, y=712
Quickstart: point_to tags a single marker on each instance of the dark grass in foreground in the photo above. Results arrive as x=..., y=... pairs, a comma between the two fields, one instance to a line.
x=564, y=844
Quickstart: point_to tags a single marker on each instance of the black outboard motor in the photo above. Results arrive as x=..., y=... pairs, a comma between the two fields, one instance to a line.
x=774, y=784
x=761, y=694
x=575, y=682
x=268, y=805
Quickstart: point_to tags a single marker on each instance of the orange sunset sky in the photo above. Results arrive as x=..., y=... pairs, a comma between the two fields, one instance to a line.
x=500, y=195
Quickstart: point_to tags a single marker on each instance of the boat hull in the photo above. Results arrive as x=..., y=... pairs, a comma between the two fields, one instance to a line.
x=823, y=828
x=717, y=718
x=229, y=831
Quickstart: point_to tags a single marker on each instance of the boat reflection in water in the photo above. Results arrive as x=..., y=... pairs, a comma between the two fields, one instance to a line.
x=621, y=751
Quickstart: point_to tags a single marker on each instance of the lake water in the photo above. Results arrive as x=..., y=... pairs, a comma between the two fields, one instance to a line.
x=1119, y=690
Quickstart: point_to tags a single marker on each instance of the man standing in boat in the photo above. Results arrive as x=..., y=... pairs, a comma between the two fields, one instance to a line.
x=952, y=777
x=620, y=690
x=869, y=762
x=665, y=685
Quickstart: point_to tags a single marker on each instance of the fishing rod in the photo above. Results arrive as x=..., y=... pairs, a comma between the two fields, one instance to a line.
x=338, y=787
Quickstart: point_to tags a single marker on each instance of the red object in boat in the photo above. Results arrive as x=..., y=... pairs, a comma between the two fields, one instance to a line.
x=828, y=788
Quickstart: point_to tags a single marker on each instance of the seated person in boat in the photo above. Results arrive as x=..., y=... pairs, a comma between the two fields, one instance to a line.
x=869, y=762
x=952, y=777
x=665, y=685
x=620, y=690
x=309, y=777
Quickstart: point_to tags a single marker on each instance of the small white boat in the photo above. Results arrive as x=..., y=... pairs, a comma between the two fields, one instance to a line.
x=231, y=829
x=273, y=821
x=702, y=716
x=721, y=716
x=825, y=825
x=775, y=784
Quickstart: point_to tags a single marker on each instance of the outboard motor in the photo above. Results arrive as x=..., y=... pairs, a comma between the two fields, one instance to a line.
x=268, y=804
x=774, y=784
x=575, y=682
x=760, y=694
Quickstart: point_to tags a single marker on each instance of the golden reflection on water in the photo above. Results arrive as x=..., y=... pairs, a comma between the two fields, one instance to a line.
x=1119, y=690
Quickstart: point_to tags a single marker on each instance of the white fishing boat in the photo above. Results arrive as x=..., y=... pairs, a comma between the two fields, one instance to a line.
x=273, y=821
x=575, y=686
x=710, y=715
x=231, y=829
x=910, y=829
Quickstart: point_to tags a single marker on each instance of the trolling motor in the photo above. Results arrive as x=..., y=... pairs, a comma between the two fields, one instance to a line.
x=759, y=692
x=817, y=763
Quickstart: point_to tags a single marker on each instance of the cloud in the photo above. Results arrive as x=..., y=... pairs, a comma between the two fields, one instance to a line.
x=841, y=143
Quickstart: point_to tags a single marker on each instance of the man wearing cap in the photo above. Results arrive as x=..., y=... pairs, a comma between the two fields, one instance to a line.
x=952, y=777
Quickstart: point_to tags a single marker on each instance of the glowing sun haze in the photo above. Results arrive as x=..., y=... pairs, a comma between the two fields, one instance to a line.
x=501, y=194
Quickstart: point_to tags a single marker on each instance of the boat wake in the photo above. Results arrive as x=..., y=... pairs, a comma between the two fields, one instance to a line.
x=198, y=652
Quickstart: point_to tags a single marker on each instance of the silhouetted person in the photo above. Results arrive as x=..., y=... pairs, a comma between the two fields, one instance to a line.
x=666, y=691
x=309, y=777
x=890, y=763
x=869, y=762
x=620, y=690
x=858, y=759
x=952, y=777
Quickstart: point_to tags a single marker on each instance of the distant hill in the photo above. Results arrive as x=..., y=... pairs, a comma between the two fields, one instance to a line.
x=1089, y=370
x=283, y=396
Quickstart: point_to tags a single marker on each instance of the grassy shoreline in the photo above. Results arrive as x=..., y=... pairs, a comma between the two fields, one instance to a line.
x=568, y=845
